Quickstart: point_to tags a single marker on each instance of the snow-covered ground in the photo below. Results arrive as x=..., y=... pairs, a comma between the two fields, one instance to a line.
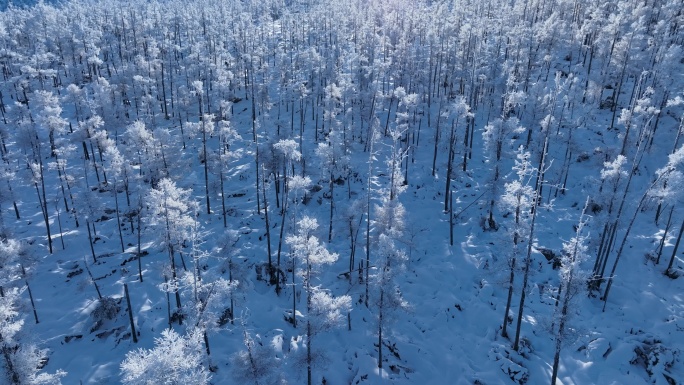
x=456, y=294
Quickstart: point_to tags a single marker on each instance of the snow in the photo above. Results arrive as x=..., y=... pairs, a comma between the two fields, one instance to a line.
x=455, y=295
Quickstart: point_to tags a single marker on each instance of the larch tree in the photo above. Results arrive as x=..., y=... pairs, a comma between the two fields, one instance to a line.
x=115, y=166
x=388, y=227
x=527, y=262
x=518, y=198
x=22, y=358
x=571, y=282
x=221, y=159
x=323, y=311
x=257, y=362
x=289, y=149
x=667, y=185
x=174, y=360
x=170, y=212
x=498, y=136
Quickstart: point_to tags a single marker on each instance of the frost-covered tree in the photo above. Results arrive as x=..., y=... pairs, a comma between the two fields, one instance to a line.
x=461, y=115
x=210, y=296
x=29, y=140
x=21, y=358
x=498, y=136
x=527, y=262
x=224, y=155
x=667, y=185
x=228, y=253
x=571, y=282
x=323, y=311
x=49, y=116
x=291, y=182
x=518, y=198
x=170, y=212
x=334, y=162
x=175, y=360
x=141, y=150
x=388, y=224
x=613, y=176
x=257, y=363
x=115, y=165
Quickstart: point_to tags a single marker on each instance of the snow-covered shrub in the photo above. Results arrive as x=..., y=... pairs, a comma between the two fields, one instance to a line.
x=657, y=359
x=510, y=364
x=106, y=309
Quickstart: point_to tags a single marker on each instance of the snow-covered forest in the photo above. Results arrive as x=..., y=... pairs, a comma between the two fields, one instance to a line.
x=342, y=192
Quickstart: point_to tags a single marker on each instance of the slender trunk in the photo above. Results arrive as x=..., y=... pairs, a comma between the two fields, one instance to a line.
x=90, y=241
x=294, y=292
x=43, y=203
x=451, y=220
x=450, y=159
x=164, y=105
x=232, y=302
x=139, y=252
x=174, y=276
x=608, y=249
x=59, y=223
x=206, y=162
x=30, y=293
x=130, y=314
x=559, y=336
x=309, y=335
x=622, y=245
x=504, y=328
x=272, y=276
x=597, y=263
x=380, y=320
x=332, y=206
x=223, y=199
x=434, y=155
x=368, y=216
x=206, y=342
x=118, y=218
x=280, y=240
x=92, y=279
x=16, y=209
x=566, y=285
x=664, y=237
x=530, y=241
x=168, y=301
x=668, y=271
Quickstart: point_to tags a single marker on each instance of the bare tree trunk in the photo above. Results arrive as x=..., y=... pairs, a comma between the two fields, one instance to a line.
x=59, y=223
x=271, y=272
x=206, y=159
x=43, y=203
x=664, y=237
x=380, y=320
x=139, y=230
x=118, y=217
x=30, y=293
x=90, y=241
x=504, y=328
x=668, y=271
x=130, y=314
x=223, y=199
x=332, y=206
x=92, y=279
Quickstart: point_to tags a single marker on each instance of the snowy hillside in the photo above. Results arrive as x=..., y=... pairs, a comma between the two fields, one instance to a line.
x=342, y=192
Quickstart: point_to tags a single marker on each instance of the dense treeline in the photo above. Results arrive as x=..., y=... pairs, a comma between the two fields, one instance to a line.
x=156, y=107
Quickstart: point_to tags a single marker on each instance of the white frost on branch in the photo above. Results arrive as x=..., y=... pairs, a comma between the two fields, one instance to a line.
x=614, y=169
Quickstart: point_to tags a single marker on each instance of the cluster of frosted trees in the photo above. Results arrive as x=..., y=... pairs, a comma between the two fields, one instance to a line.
x=115, y=104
